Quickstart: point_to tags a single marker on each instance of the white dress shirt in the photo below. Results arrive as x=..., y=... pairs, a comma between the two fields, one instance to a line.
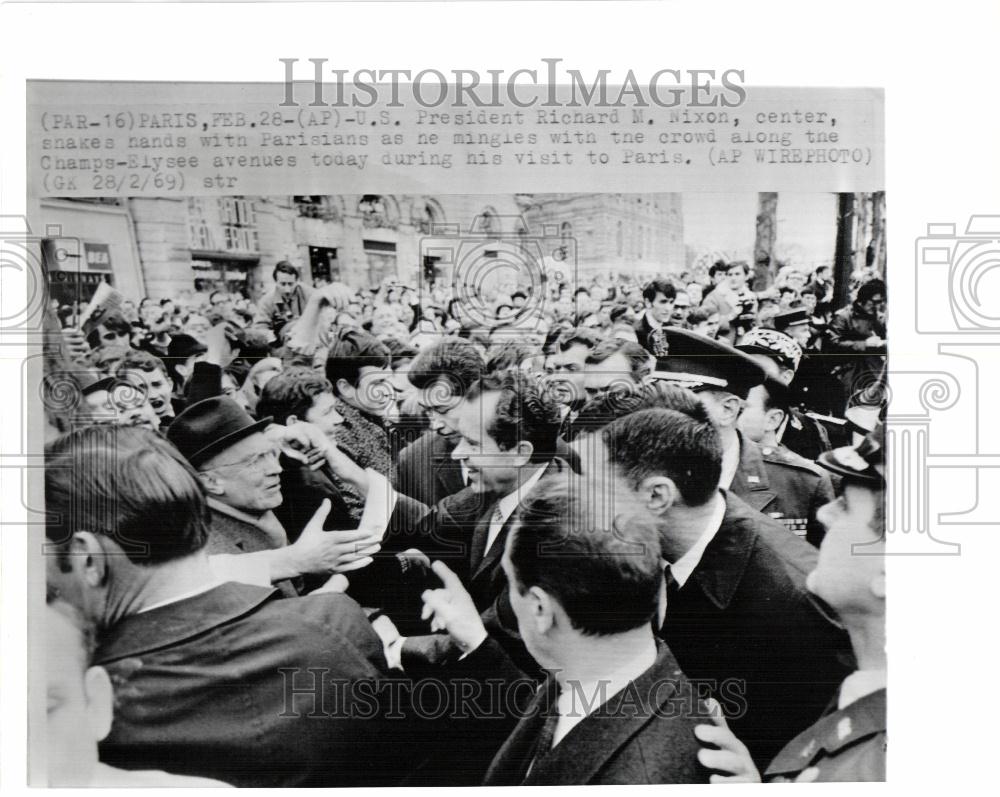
x=730, y=462
x=506, y=506
x=682, y=569
x=580, y=699
x=859, y=684
x=183, y=596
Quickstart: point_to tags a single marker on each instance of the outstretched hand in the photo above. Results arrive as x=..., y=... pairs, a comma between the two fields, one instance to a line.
x=731, y=759
x=451, y=609
x=319, y=551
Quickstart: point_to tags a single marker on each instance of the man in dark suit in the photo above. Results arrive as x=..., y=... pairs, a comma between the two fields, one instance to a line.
x=848, y=742
x=738, y=614
x=219, y=680
x=508, y=427
x=615, y=707
x=442, y=375
x=658, y=297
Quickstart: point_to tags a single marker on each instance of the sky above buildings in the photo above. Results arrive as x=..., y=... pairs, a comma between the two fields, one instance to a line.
x=726, y=224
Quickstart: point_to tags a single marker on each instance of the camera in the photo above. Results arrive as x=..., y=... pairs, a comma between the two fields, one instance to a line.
x=965, y=270
x=497, y=255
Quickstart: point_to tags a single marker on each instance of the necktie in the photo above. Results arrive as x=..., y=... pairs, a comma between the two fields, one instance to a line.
x=492, y=531
x=670, y=588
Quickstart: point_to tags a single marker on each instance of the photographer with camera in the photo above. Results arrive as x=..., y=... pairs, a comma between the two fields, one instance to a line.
x=857, y=333
x=735, y=303
x=285, y=302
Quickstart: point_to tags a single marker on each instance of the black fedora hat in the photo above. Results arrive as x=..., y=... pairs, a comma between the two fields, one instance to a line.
x=210, y=426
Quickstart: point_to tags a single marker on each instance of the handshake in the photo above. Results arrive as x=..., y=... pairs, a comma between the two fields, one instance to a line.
x=318, y=550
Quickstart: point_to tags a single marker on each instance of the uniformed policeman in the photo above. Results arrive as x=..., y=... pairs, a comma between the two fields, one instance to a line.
x=786, y=473
x=774, y=484
x=848, y=743
x=803, y=432
x=815, y=388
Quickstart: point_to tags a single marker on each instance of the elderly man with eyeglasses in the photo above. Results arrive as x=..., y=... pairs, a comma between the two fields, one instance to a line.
x=237, y=460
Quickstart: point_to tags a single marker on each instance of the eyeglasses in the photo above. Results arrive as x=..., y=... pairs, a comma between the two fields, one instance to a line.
x=253, y=461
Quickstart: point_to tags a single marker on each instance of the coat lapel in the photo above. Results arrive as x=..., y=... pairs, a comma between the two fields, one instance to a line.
x=725, y=560
x=485, y=560
x=591, y=743
x=480, y=535
x=515, y=755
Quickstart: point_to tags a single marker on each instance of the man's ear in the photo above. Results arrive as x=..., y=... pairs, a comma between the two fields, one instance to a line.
x=212, y=483
x=542, y=610
x=774, y=419
x=733, y=406
x=344, y=388
x=100, y=702
x=878, y=586
x=291, y=419
x=524, y=450
x=88, y=559
x=659, y=493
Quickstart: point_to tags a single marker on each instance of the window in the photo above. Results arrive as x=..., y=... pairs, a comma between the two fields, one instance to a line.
x=424, y=218
x=317, y=207
x=381, y=259
x=228, y=224
x=323, y=264
x=374, y=212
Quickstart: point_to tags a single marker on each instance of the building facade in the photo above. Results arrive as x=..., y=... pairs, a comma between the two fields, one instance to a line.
x=180, y=246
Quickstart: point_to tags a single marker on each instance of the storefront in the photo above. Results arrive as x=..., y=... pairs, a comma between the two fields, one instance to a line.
x=89, y=243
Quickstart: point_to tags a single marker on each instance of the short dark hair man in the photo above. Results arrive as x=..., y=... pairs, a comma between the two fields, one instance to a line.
x=285, y=302
x=857, y=335
x=658, y=298
x=127, y=536
x=441, y=375
x=738, y=612
x=620, y=691
x=150, y=373
x=615, y=365
x=509, y=429
x=569, y=366
x=113, y=330
x=682, y=306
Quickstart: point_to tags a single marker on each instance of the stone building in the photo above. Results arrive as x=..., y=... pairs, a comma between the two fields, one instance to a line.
x=176, y=246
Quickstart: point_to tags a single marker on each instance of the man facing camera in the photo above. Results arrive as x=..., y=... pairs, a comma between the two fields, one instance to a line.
x=615, y=707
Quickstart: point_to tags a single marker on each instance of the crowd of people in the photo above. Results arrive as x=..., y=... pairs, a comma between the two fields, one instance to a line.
x=559, y=534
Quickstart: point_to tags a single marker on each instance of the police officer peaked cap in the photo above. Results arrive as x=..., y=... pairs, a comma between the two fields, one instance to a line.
x=702, y=363
x=860, y=464
x=776, y=345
